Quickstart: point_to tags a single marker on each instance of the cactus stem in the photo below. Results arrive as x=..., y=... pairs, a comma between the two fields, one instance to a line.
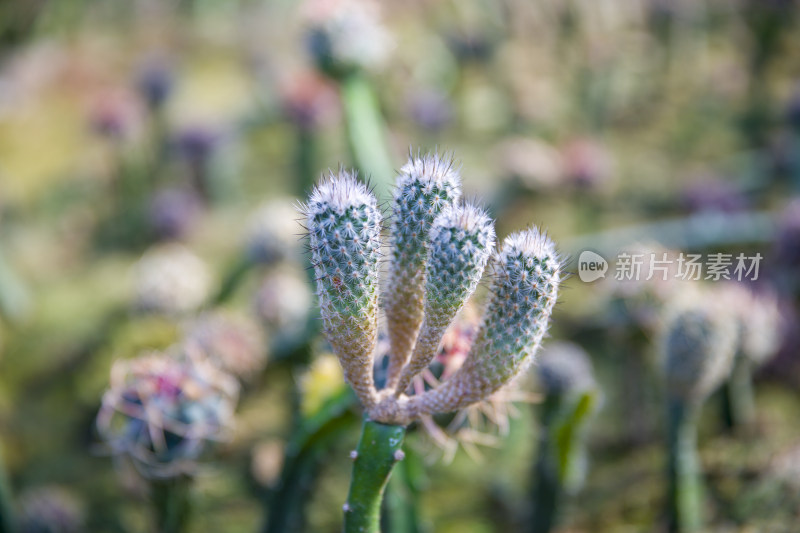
x=377, y=454
x=684, y=497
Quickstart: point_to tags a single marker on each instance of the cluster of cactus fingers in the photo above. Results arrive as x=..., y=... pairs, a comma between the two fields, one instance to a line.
x=440, y=248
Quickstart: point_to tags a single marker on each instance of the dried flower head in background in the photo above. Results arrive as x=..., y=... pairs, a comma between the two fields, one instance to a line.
x=170, y=279
x=283, y=302
x=161, y=413
x=272, y=234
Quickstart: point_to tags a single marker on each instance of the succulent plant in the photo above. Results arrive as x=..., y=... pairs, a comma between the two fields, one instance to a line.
x=426, y=185
x=439, y=251
x=344, y=225
x=698, y=345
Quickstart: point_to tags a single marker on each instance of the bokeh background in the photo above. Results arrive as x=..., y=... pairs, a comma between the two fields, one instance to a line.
x=151, y=153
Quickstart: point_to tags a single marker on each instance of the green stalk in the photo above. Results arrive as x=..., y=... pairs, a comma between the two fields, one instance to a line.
x=547, y=487
x=304, y=456
x=738, y=403
x=232, y=279
x=366, y=131
x=6, y=504
x=401, y=502
x=305, y=161
x=171, y=503
x=684, y=497
x=559, y=467
x=378, y=451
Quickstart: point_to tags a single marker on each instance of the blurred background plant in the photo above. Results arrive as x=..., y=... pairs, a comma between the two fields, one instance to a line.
x=150, y=155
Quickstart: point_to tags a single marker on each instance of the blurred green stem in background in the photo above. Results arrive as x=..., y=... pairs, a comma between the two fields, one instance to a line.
x=232, y=279
x=171, y=503
x=366, y=131
x=305, y=161
x=379, y=449
x=304, y=456
x=6, y=504
x=738, y=403
x=684, y=489
x=560, y=466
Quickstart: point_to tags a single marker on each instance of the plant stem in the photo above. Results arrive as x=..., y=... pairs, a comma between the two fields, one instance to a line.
x=233, y=279
x=401, y=502
x=738, y=404
x=305, y=161
x=366, y=131
x=684, y=487
x=547, y=490
x=6, y=504
x=171, y=503
x=304, y=456
x=378, y=451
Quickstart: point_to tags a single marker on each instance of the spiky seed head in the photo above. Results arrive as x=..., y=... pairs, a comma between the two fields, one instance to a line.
x=698, y=343
x=564, y=368
x=527, y=273
x=160, y=412
x=425, y=186
x=461, y=241
x=344, y=226
x=170, y=279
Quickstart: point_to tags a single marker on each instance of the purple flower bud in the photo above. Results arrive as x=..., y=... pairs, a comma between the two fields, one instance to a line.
x=174, y=212
x=155, y=82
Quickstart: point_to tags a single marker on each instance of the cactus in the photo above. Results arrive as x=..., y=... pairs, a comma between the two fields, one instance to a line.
x=698, y=344
x=438, y=256
x=344, y=226
x=571, y=397
x=526, y=272
x=426, y=185
x=461, y=240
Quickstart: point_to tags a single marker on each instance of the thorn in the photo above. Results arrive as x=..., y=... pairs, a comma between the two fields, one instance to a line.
x=346, y=507
x=353, y=455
